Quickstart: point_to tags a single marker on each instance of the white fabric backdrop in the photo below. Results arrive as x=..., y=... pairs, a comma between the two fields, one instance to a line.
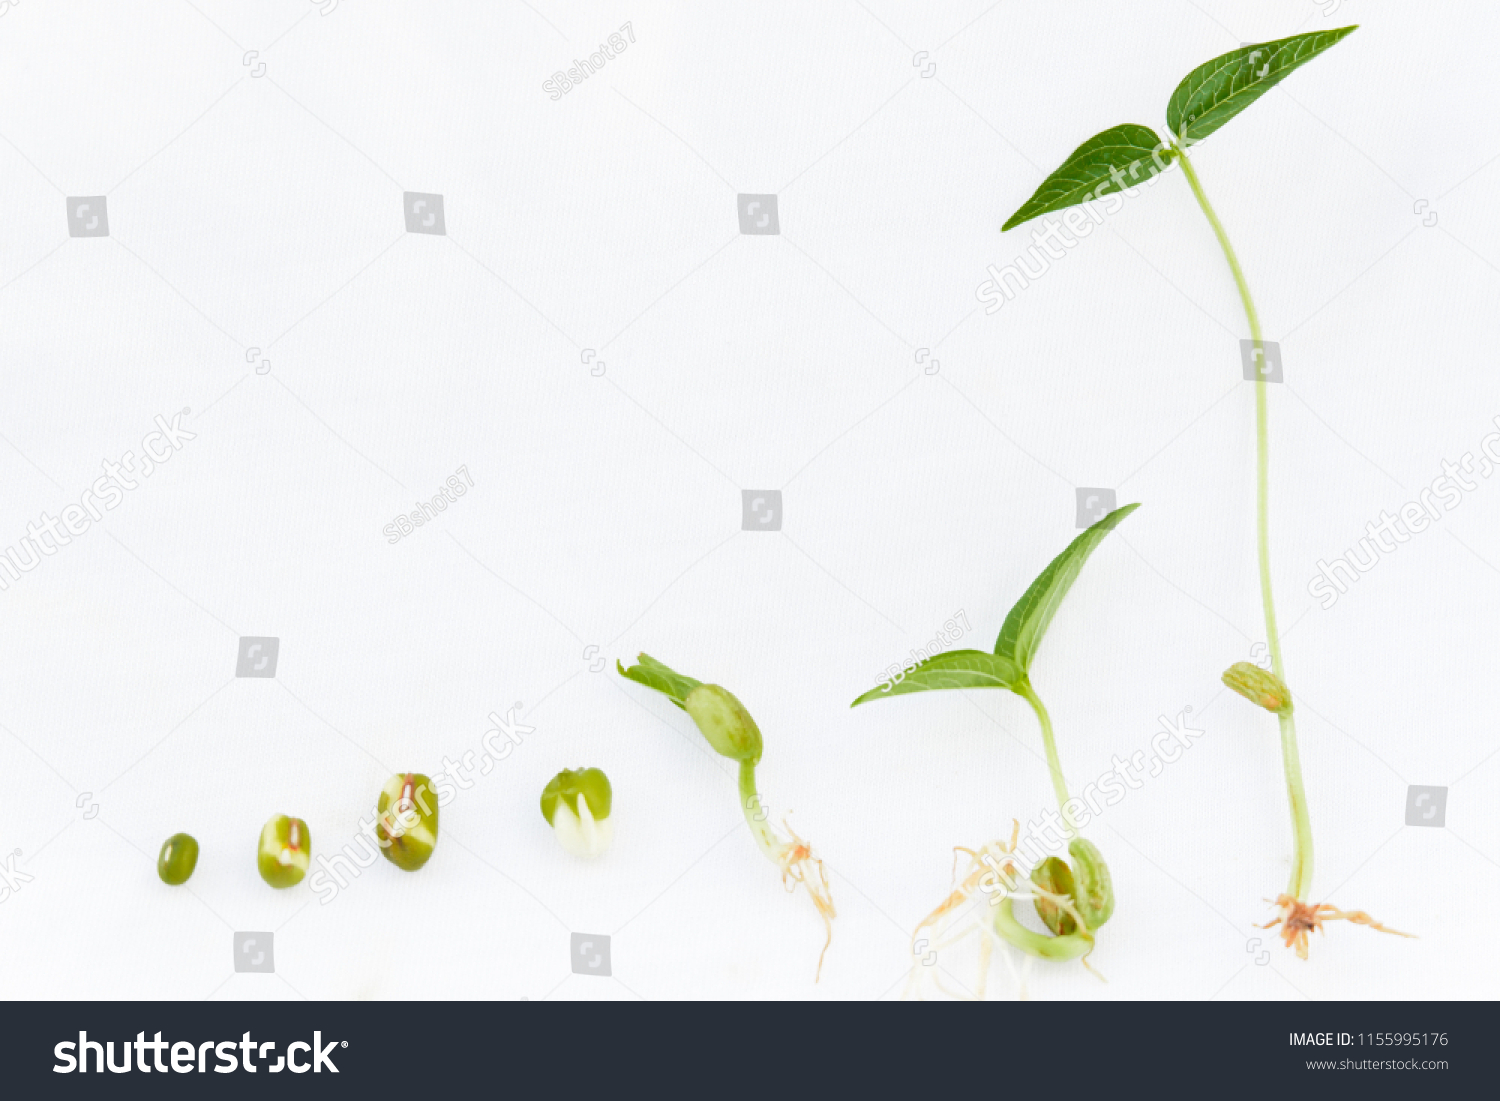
x=254, y=208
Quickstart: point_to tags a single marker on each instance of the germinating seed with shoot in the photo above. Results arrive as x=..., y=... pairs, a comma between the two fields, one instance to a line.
x=729, y=729
x=285, y=851
x=576, y=804
x=406, y=825
x=1073, y=901
x=178, y=858
x=1205, y=100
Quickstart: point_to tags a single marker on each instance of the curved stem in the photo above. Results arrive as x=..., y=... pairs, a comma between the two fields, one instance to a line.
x=1072, y=946
x=1302, y=861
x=1054, y=764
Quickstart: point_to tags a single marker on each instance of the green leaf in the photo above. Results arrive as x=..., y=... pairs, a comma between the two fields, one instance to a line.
x=1117, y=158
x=953, y=669
x=1215, y=92
x=1022, y=631
x=653, y=674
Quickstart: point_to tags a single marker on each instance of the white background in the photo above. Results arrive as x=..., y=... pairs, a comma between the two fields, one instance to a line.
x=265, y=212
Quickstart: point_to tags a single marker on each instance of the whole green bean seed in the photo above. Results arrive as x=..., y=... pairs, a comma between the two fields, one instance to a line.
x=178, y=858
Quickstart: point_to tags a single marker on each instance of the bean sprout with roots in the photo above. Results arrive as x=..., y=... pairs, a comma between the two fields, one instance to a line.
x=993, y=858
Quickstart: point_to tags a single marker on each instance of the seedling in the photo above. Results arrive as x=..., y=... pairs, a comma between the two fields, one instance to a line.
x=1072, y=901
x=732, y=733
x=407, y=823
x=1205, y=100
x=576, y=804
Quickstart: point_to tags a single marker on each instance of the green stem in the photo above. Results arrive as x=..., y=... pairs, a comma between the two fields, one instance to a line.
x=756, y=815
x=1302, y=863
x=1054, y=764
x=1072, y=946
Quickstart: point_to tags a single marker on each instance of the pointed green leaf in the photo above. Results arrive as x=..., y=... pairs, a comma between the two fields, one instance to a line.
x=1022, y=631
x=1117, y=158
x=953, y=669
x=1216, y=91
x=653, y=674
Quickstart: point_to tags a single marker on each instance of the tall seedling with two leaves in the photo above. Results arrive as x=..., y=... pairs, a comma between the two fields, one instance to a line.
x=1072, y=900
x=1205, y=100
